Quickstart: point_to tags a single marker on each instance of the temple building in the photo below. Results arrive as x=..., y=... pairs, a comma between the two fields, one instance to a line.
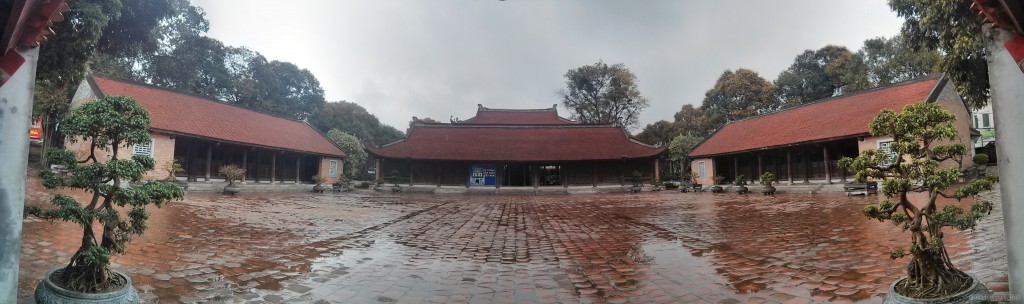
x=804, y=144
x=515, y=148
x=203, y=134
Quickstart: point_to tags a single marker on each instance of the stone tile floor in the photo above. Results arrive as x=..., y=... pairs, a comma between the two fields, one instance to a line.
x=367, y=247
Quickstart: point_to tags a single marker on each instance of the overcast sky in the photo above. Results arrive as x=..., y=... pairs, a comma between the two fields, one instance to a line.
x=438, y=59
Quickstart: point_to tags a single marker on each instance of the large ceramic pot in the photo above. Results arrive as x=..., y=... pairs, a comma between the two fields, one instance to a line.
x=319, y=188
x=635, y=189
x=976, y=294
x=742, y=189
x=47, y=292
x=396, y=188
x=717, y=189
x=231, y=190
x=768, y=190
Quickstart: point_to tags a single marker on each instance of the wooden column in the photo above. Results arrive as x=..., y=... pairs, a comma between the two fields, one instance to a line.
x=622, y=170
x=842, y=170
x=298, y=159
x=593, y=175
x=188, y=164
x=657, y=172
x=376, y=170
x=499, y=175
x=273, y=167
x=759, y=168
x=437, y=167
x=256, y=168
x=410, y=171
x=535, y=176
x=807, y=167
x=789, y=166
x=245, y=159
x=209, y=160
x=828, y=169
x=735, y=167
x=562, y=176
x=466, y=170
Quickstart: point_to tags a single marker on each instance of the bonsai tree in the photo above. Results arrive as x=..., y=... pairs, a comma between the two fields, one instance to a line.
x=740, y=181
x=980, y=159
x=923, y=137
x=231, y=173
x=717, y=188
x=173, y=168
x=107, y=124
x=718, y=180
x=319, y=180
x=767, y=179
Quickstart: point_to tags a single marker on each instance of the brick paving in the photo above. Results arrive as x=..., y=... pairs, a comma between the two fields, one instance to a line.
x=367, y=247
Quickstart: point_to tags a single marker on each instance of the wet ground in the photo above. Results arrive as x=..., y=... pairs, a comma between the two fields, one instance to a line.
x=366, y=247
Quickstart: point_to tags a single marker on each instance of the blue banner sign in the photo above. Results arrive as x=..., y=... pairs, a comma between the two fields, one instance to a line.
x=482, y=175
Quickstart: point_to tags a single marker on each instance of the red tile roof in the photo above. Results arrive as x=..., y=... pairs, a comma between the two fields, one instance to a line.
x=838, y=117
x=516, y=143
x=547, y=116
x=179, y=113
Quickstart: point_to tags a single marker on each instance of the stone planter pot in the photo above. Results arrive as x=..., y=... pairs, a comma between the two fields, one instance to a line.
x=742, y=189
x=635, y=189
x=684, y=188
x=47, y=292
x=716, y=189
x=231, y=190
x=319, y=188
x=768, y=190
x=976, y=294
x=396, y=188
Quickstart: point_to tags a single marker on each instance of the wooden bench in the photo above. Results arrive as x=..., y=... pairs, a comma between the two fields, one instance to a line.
x=861, y=188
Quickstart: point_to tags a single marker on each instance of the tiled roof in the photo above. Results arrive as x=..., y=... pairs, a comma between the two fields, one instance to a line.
x=547, y=116
x=516, y=143
x=834, y=118
x=179, y=113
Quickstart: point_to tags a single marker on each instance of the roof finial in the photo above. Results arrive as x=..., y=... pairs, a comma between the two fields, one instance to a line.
x=479, y=106
x=415, y=119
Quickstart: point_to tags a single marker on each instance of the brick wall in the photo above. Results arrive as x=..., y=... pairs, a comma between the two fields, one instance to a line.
x=709, y=171
x=325, y=169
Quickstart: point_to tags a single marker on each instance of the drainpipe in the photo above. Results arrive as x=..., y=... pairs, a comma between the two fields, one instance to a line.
x=1005, y=78
x=15, y=118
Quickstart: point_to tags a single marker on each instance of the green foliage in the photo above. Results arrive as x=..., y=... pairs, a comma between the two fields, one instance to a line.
x=231, y=173
x=110, y=123
x=320, y=180
x=659, y=133
x=916, y=166
x=737, y=95
x=953, y=29
x=353, y=147
x=814, y=75
x=980, y=159
x=718, y=179
x=740, y=180
x=173, y=168
x=637, y=178
x=767, y=178
x=681, y=145
x=693, y=121
x=603, y=94
x=353, y=119
x=885, y=61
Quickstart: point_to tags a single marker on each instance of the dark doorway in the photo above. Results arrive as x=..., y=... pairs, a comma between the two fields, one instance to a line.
x=516, y=175
x=550, y=175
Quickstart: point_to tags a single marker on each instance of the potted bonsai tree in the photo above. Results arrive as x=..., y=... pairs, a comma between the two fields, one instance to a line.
x=319, y=180
x=638, y=183
x=173, y=168
x=981, y=163
x=231, y=173
x=923, y=138
x=767, y=179
x=717, y=188
x=685, y=182
x=741, y=184
x=107, y=124
x=395, y=187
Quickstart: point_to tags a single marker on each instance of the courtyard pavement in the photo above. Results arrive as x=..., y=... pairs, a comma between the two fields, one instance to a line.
x=367, y=247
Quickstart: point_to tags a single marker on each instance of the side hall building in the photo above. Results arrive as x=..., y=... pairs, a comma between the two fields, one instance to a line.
x=804, y=144
x=515, y=148
x=202, y=134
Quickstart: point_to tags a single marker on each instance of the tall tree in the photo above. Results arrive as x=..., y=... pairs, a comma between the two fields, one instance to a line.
x=196, y=65
x=692, y=120
x=951, y=27
x=884, y=61
x=659, y=133
x=280, y=88
x=353, y=119
x=603, y=94
x=738, y=95
x=680, y=146
x=353, y=147
x=813, y=75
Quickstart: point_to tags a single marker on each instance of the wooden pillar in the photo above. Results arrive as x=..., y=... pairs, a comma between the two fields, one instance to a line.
x=466, y=170
x=209, y=160
x=828, y=169
x=189, y=160
x=273, y=167
x=562, y=176
x=789, y=166
x=499, y=175
x=376, y=170
x=759, y=168
x=807, y=167
x=842, y=170
x=593, y=175
x=410, y=172
x=298, y=160
x=735, y=167
x=245, y=159
x=256, y=168
x=622, y=171
x=535, y=175
x=657, y=172
x=437, y=167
